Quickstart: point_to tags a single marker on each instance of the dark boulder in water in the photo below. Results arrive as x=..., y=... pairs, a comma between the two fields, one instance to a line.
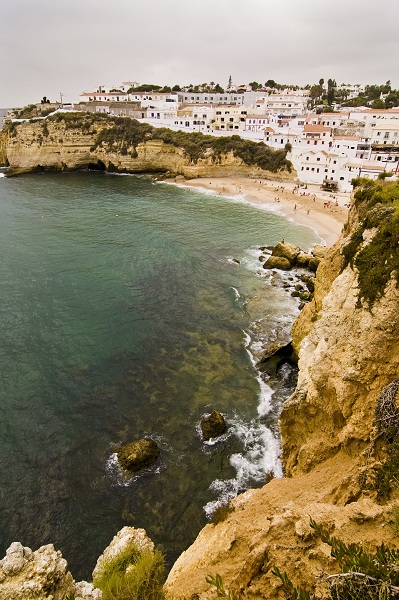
x=138, y=455
x=213, y=426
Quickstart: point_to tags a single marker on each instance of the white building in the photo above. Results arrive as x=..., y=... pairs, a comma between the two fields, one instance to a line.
x=288, y=103
x=230, y=118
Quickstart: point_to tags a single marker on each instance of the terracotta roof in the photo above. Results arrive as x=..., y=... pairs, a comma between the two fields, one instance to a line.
x=309, y=128
x=313, y=152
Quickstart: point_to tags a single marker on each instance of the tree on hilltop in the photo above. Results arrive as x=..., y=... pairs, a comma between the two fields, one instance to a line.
x=331, y=85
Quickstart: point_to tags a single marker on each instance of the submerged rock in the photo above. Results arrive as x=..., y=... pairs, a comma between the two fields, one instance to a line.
x=213, y=426
x=138, y=455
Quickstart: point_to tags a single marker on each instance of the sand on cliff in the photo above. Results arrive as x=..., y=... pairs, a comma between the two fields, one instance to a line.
x=323, y=212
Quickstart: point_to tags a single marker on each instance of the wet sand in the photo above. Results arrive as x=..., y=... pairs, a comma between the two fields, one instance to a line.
x=323, y=212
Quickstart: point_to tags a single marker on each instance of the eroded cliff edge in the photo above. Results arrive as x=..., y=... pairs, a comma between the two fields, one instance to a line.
x=74, y=141
x=348, y=347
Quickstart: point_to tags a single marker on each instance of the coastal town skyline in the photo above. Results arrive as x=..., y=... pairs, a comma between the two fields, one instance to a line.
x=73, y=48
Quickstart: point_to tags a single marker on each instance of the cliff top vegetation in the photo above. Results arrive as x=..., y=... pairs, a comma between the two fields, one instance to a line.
x=123, y=135
x=378, y=260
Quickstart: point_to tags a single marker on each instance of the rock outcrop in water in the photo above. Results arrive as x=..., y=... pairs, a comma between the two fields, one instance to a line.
x=138, y=455
x=213, y=425
x=347, y=340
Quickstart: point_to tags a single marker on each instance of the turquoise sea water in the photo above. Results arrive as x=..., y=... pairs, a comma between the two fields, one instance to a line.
x=122, y=315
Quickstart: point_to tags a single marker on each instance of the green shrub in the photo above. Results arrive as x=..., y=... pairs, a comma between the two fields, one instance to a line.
x=377, y=261
x=363, y=575
x=133, y=575
x=217, y=581
x=394, y=520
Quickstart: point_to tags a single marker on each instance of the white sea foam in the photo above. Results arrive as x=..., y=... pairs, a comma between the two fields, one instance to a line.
x=258, y=460
x=119, y=476
x=265, y=391
x=236, y=292
x=2, y=175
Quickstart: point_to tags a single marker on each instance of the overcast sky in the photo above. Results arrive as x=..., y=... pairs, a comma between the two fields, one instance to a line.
x=53, y=46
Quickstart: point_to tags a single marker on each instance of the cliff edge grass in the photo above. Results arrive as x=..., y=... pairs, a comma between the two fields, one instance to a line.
x=72, y=141
x=340, y=467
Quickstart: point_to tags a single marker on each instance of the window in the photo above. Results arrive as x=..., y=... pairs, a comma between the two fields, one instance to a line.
x=318, y=159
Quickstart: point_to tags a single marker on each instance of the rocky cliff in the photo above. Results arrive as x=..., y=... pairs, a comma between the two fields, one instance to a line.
x=3, y=148
x=347, y=341
x=44, y=575
x=68, y=142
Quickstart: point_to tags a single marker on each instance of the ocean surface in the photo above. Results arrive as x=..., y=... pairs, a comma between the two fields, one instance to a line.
x=122, y=315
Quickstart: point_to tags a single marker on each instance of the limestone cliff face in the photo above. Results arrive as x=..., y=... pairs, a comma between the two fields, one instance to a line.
x=347, y=354
x=55, y=146
x=3, y=148
x=42, y=574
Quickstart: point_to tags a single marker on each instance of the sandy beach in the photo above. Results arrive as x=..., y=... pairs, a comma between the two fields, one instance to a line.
x=310, y=206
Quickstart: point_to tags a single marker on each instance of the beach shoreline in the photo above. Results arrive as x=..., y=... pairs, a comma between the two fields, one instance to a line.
x=321, y=211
